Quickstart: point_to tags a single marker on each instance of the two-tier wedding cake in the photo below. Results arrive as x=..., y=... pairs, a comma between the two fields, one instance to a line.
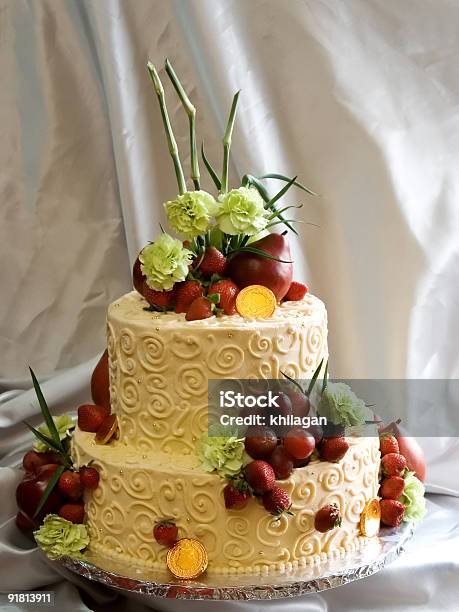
x=159, y=369
x=147, y=477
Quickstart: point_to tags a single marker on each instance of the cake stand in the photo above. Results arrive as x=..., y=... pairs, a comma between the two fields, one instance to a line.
x=373, y=557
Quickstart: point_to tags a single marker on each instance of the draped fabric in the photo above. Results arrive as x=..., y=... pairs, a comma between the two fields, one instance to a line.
x=358, y=98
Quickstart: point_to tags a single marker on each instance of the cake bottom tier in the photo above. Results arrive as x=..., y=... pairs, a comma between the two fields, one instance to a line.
x=135, y=491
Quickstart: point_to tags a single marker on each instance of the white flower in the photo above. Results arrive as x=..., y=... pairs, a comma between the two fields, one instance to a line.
x=241, y=211
x=190, y=213
x=165, y=262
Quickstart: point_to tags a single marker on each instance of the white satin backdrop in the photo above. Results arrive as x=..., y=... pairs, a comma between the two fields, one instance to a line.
x=359, y=98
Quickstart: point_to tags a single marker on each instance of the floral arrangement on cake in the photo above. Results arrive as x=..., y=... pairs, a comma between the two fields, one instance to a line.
x=225, y=242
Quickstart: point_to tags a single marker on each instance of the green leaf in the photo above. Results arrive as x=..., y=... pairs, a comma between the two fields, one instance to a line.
x=281, y=193
x=210, y=169
x=283, y=222
x=277, y=212
x=295, y=382
x=250, y=249
x=46, y=413
x=153, y=308
x=49, y=488
x=272, y=201
x=281, y=177
x=251, y=181
x=43, y=438
x=214, y=298
x=325, y=380
x=315, y=376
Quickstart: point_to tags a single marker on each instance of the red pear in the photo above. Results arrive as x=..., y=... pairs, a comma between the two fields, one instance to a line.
x=100, y=388
x=251, y=269
x=410, y=448
x=137, y=276
x=30, y=490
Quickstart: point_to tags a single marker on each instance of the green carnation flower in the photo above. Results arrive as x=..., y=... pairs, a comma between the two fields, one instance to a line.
x=189, y=214
x=341, y=406
x=221, y=451
x=413, y=498
x=165, y=262
x=64, y=423
x=242, y=211
x=59, y=537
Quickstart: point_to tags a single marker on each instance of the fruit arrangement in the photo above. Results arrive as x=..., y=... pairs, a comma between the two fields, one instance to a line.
x=272, y=456
x=226, y=243
x=51, y=485
x=397, y=504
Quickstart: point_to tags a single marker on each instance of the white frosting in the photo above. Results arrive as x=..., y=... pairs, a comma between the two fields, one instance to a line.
x=159, y=367
x=136, y=491
x=160, y=363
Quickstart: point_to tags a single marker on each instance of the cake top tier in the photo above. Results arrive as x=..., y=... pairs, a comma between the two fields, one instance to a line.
x=133, y=307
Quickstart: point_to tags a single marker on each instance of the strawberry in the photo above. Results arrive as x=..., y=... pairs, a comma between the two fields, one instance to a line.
x=165, y=532
x=185, y=293
x=333, y=449
x=137, y=276
x=69, y=485
x=89, y=477
x=213, y=262
x=72, y=512
x=200, y=308
x=91, y=417
x=326, y=518
x=392, y=487
x=388, y=444
x=227, y=290
x=391, y=512
x=393, y=464
x=161, y=299
x=33, y=460
x=276, y=501
x=260, y=476
x=236, y=494
x=296, y=292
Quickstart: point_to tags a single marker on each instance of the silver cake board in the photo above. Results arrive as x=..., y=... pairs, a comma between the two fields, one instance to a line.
x=373, y=557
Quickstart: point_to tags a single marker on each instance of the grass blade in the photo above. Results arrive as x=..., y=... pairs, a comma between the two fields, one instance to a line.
x=314, y=378
x=278, y=212
x=281, y=177
x=45, y=439
x=210, y=170
x=295, y=382
x=282, y=221
x=251, y=181
x=281, y=193
x=46, y=413
x=250, y=249
x=325, y=380
x=49, y=488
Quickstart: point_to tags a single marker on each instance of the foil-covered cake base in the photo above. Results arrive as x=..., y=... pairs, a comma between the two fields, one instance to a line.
x=372, y=558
